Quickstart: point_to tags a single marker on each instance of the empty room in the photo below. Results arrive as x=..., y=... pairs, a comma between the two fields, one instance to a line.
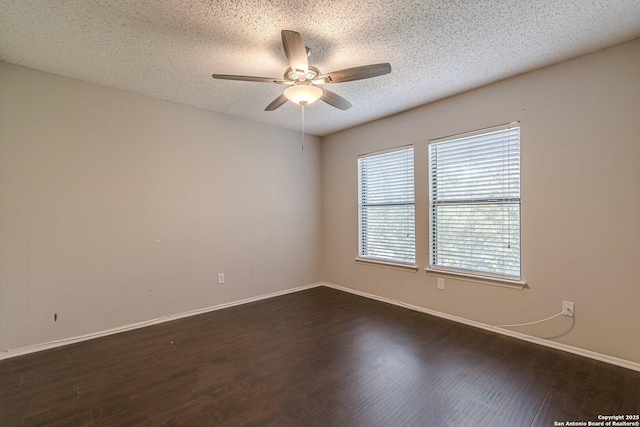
x=339, y=213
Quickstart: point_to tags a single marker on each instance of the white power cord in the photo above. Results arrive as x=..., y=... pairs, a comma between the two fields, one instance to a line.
x=566, y=312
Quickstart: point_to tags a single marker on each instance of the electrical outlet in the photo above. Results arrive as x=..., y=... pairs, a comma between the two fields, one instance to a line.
x=441, y=283
x=220, y=278
x=567, y=308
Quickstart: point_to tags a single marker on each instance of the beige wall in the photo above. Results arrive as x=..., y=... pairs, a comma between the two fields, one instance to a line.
x=580, y=142
x=117, y=208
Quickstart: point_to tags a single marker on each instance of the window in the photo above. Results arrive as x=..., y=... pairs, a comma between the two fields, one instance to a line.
x=474, y=182
x=386, y=206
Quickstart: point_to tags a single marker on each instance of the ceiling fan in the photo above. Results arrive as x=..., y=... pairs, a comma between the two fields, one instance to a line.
x=303, y=78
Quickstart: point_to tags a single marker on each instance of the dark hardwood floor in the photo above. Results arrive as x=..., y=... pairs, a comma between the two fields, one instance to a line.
x=320, y=357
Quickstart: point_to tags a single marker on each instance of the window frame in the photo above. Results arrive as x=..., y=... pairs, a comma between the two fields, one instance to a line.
x=377, y=260
x=473, y=275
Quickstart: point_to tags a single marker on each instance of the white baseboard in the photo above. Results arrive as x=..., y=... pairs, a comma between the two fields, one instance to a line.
x=6, y=354
x=547, y=343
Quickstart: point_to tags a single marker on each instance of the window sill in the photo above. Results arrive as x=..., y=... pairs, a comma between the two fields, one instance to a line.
x=388, y=264
x=485, y=280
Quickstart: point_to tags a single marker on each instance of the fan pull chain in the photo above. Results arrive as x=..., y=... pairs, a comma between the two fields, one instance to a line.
x=303, y=103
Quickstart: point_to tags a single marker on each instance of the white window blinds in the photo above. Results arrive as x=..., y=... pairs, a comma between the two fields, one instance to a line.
x=386, y=206
x=475, y=203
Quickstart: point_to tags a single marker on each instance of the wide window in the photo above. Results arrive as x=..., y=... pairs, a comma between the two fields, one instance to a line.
x=474, y=182
x=386, y=206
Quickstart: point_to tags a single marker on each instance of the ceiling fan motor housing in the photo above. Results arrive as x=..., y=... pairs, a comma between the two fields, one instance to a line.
x=299, y=75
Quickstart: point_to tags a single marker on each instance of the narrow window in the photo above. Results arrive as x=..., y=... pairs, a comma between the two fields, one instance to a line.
x=386, y=206
x=474, y=182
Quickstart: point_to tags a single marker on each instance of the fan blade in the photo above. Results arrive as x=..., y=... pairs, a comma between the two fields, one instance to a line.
x=335, y=100
x=277, y=103
x=295, y=50
x=249, y=78
x=355, y=73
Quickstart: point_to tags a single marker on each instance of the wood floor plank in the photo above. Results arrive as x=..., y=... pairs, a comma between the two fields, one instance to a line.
x=319, y=357
x=605, y=392
x=567, y=392
x=631, y=404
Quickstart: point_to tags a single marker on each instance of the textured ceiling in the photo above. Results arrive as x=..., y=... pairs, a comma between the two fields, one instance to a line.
x=169, y=48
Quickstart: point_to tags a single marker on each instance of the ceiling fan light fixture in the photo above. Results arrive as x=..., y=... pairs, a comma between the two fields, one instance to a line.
x=303, y=93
